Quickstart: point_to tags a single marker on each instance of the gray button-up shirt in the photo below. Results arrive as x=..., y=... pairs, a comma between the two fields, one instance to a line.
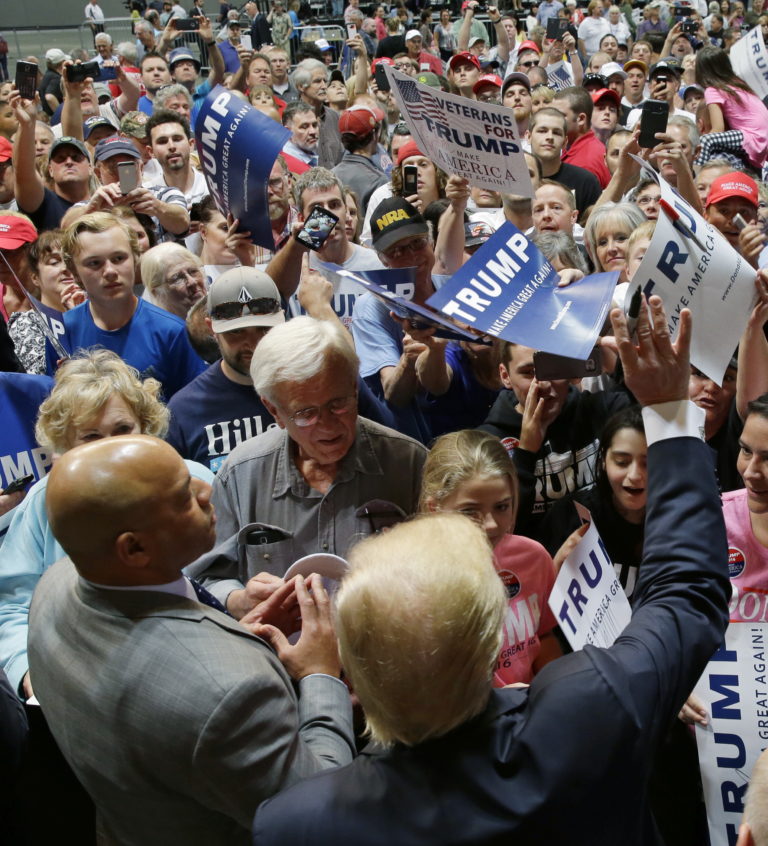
x=260, y=483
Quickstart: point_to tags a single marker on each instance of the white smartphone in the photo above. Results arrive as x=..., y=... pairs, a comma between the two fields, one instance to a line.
x=245, y=41
x=351, y=30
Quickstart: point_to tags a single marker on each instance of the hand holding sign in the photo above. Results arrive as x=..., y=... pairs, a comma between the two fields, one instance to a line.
x=656, y=370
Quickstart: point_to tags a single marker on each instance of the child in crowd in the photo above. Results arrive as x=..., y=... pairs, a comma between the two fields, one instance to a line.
x=470, y=472
x=737, y=116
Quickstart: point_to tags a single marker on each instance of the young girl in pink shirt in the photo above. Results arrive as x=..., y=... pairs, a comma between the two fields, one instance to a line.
x=738, y=118
x=471, y=472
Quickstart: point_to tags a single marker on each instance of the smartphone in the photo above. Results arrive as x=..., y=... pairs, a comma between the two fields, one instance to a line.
x=382, y=83
x=129, y=177
x=187, y=24
x=548, y=366
x=351, y=30
x=26, y=79
x=690, y=27
x=18, y=485
x=653, y=119
x=556, y=29
x=107, y=72
x=410, y=180
x=317, y=227
x=79, y=73
x=246, y=41
x=266, y=534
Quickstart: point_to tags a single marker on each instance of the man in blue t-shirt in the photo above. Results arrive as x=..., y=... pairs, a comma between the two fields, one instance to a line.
x=220, y=409
x=102, y=252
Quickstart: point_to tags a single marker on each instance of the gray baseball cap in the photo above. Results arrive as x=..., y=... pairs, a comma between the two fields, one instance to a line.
x=243, y=297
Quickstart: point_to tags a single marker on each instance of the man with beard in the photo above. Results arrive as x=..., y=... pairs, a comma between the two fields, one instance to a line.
x=282, y=214
x=300, y=150
x=169, y=139
x=219, y=409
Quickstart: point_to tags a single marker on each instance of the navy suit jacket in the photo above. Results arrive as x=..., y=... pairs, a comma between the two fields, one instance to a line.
x=566, y=761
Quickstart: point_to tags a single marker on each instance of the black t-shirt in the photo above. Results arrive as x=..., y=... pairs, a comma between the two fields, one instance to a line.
x=583, y=182
x=623, y=540
x=49, y=213
x=390, y=46
x=51, y=84
x=567, y=459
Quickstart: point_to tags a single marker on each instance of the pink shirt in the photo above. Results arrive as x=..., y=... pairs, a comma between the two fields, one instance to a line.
x=528, y=573
x=747, y=562
x=748, y=114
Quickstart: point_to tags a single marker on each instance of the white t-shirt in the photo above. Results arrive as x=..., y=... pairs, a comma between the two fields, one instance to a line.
x=94, y=12
x=591, y=30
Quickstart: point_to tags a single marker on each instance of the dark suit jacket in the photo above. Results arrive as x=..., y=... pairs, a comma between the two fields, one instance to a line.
x=176, y=720
x=567, y=761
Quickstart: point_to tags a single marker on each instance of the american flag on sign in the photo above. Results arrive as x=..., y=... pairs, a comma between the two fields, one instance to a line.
x=419, y=104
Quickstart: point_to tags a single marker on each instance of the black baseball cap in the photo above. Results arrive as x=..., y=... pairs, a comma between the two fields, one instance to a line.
x=393, y=220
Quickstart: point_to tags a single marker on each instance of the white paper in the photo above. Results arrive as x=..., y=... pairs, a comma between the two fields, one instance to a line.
x=463, y=136
x=749, y=58
x=734, y=690
x=587, y=598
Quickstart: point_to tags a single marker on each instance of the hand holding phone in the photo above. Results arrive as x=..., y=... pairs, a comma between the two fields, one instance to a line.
x=81, y=72
x=129, y=177
x=410, y=180
x=317, y=227
x=653, y=119
x=26, y=79
x=18, y=485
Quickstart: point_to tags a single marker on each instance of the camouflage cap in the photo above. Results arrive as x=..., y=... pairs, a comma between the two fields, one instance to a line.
x=135, y=125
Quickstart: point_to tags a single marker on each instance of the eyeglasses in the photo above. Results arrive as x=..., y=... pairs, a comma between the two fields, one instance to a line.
x=260, y=306
x=183, y=277
x=532, y=63
x=646, y=201
x=306, y=417
x=413, y=246
x=403, y=66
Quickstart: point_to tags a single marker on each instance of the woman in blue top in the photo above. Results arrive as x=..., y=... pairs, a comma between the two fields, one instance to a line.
x=95, y=396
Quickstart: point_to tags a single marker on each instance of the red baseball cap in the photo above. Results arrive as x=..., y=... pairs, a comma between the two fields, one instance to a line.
x=487, y=79
x=733, y=184
x=410, y=148
x=15, y=231
x=6, y=150
x=360, y=120
x=464, y=56
x=381, y=60
x=602, y=93
x=528, y=45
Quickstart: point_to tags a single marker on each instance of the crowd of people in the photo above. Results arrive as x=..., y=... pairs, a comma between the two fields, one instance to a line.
x=198, y=429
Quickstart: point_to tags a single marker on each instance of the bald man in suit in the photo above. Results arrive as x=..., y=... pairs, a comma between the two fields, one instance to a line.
x=175, y=717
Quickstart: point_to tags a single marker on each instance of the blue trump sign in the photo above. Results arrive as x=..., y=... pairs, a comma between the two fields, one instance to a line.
x=238, y=146
x=509, y=290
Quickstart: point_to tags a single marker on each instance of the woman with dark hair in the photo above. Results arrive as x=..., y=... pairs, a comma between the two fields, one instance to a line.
x=737, y=116
x=616, y=502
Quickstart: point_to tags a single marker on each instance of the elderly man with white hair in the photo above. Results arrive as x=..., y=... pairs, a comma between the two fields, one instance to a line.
x=311, y=81
x=320, y=481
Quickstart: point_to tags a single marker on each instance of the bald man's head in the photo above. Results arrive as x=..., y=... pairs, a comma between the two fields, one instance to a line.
x=126, y=511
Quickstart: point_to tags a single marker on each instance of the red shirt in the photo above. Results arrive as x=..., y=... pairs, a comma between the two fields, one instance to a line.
x=588, y=151
x=435, y=65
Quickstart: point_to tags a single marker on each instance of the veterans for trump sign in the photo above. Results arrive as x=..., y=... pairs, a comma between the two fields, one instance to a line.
x=509, y=290
x=464, y=137
x=238, y=146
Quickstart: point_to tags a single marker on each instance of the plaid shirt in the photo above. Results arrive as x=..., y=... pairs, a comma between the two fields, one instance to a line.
x=262, y=254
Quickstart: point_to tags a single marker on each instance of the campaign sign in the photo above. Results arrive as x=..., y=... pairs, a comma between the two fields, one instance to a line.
x=587, y=599
x=238, y=146
x=734, y=690
x=463, y=136
x=749, y=58
x=402, y=307
x=559, y=75
x=346, y=291
x=509, y=290
x=689, y=264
